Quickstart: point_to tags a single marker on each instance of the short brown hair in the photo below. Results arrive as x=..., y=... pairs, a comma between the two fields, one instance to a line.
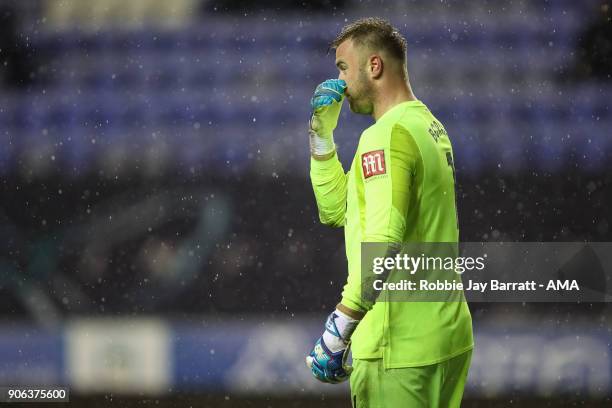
x=375, y=33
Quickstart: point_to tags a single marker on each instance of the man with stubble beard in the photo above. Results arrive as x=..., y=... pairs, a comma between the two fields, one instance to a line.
x=400, y=189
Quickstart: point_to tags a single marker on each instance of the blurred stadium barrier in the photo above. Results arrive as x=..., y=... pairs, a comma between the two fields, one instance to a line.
x=118, y=13
x=157, y=357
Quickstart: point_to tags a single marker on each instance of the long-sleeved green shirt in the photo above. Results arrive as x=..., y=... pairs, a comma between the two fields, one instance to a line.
x=400, y=189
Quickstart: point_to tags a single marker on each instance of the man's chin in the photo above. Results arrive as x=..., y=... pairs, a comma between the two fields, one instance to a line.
x=353, y=107
x=357, y=109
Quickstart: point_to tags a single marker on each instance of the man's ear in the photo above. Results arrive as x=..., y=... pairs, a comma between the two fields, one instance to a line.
x=375, y=65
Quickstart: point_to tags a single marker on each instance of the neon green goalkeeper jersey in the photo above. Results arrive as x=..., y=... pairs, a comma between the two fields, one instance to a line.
x=400, y=188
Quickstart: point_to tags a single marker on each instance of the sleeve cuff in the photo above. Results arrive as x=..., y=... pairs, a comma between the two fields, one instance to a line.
x=353, y=305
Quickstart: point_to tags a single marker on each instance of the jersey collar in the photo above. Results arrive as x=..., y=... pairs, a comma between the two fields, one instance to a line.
x=398, y=109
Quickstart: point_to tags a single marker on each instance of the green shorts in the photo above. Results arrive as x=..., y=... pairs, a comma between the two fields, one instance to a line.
x=437, y=385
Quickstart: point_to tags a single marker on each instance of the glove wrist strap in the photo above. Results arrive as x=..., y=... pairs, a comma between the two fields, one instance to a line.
x=338, y=330
x=320, y=146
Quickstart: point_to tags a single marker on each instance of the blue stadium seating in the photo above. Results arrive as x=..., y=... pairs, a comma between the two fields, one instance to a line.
x=494, y=86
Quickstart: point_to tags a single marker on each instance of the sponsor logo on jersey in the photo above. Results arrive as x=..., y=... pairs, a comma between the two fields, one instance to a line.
x=373, y=163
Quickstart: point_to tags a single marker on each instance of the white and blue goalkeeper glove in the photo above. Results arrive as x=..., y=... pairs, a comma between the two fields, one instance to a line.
x=326, y=104
x=327, y=360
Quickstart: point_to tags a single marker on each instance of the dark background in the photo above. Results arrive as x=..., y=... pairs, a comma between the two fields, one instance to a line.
x=154, y=163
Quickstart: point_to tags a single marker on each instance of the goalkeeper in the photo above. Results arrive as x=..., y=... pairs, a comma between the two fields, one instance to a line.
x=400, y=188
